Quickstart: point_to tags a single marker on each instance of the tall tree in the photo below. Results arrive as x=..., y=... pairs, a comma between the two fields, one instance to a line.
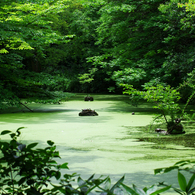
x=25, y=29
x=145, y=41
x=82, y=20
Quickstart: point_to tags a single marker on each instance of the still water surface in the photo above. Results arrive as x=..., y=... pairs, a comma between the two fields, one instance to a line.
x=103, y=144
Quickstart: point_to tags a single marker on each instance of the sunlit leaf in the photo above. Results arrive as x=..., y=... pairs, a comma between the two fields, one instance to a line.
x=64, y=166
x=30, y=146
x=151, y=190
x=161, y=190
x=182, y=181
x=5, y=132
x=191, y=181
x=129, y=190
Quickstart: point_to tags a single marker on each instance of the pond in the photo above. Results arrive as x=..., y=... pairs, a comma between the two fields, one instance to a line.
x=114, y=143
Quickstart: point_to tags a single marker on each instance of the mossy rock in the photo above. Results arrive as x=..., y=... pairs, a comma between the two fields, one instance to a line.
x=159, y=130
x=88, y=112
x=88, y=98
x=175, y=128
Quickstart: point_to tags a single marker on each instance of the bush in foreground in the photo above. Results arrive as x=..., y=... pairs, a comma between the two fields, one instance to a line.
x=26, y=169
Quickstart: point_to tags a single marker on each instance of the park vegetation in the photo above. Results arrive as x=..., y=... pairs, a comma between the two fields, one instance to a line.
x=142, y=48
x=52, y=48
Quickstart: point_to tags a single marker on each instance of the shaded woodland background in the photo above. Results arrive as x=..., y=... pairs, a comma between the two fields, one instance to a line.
x=48, y=47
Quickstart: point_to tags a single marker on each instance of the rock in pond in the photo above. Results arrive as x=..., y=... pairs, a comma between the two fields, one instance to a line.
x=174, y=127
x=159, y=130
x=88, y=112
x=88, y=98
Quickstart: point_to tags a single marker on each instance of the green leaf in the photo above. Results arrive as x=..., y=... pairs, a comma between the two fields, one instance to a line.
x=30, y=146
x=182, y=162
x=19, y=128
x=179, y=191
x=81, y=182
x=129, y=190
x=191, y=181
x=22, y=180
x=12, y=135
x=139, y=190
x=5, y=132
x=58, y=175
x=151, y=190
x=168, y=169
x=4, y=51
x=50, y=143
x=64, y=166
x=108, y=184
x=18, y=131
x=182, y=181
x=156, y=171
x=161, y=190
x=165, y=170
x=91, y=177
x=52, y=162
x=191, y=191
x=56, y=154
x=117, y=184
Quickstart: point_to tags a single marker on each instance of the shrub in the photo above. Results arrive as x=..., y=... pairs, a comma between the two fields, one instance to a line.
x=26, y=169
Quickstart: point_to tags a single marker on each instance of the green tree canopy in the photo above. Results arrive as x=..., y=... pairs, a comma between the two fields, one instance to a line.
x=145, y=41
x=25, y=29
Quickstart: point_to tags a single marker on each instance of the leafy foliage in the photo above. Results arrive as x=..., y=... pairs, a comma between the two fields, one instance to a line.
x=31, y=19
x=166, y=101
x=141, y=41
x=27, y=169
x=185, y=165
x=125, y=42
x=25, y=30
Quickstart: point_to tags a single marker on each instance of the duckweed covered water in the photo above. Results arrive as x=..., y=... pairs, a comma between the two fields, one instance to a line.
x=114, y=143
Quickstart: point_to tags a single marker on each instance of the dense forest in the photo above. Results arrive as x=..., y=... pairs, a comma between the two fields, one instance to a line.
x=48, y=47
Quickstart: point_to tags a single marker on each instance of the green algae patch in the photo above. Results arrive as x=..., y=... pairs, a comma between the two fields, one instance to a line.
x=187, y=140
x=113, y=143
x=161, y=141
